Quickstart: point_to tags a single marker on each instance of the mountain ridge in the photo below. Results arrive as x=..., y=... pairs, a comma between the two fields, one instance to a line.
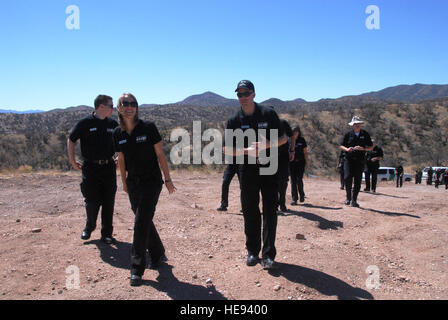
x=401, y=93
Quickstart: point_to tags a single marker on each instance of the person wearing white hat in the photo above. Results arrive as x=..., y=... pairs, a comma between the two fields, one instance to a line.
x=354, y=144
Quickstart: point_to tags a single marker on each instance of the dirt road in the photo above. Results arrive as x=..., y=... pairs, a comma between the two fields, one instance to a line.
x=392, y=247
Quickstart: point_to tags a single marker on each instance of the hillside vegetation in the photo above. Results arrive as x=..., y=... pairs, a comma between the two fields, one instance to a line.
x=414, y=133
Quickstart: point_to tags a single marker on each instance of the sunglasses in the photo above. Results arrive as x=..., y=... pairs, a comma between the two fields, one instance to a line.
x=132, y=104
x=244, y=94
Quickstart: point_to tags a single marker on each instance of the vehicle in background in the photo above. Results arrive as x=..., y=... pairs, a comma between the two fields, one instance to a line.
x=388, y=174
x=434, y=170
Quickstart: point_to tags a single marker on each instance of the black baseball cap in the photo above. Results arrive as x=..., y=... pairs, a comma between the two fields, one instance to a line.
x=245, y=84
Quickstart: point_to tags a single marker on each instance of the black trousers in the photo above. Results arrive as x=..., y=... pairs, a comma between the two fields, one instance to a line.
x=399, y=181
x=372, y=172
x=341, y=175
x=283, y=178
x=144, y=195
x=353, y=177
x=252, y=184
x=297, y=168
x=229, y=173
x=98, y=186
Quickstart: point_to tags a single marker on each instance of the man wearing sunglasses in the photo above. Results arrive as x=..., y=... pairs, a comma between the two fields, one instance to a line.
x=253, y=116
x=99, y=182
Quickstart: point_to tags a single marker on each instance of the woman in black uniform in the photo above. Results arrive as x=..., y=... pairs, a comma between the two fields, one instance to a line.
x=139, y=147
x=355, y=144
x=298, y=165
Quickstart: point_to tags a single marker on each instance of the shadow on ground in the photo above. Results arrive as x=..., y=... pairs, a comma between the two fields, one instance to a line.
x=388, y=213
x=386, y=195
x=118, y=255
x=324, y=224
x=179, y=290
x=322, y=282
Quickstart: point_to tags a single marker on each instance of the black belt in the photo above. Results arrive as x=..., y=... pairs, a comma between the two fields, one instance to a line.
x=100, y=162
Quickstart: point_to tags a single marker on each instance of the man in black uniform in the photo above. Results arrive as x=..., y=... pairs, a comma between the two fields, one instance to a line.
x=399, y=175
x=283, y=167
x=418, y=176
x=437, y=178
x=372, y=165
x=429, y=177
x=250, y=119
x=229, y=173
x=445, y=179
x=98, y=184
x=355, y=144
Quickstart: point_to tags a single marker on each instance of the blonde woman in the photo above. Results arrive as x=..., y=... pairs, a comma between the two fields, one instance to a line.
x=141, y=161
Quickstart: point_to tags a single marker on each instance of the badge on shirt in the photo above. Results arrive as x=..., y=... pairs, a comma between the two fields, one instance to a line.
x=245, y=126
x=93, y=129
x=140, y=139
x=109, y=130
x=262, y=125
x=122, y=141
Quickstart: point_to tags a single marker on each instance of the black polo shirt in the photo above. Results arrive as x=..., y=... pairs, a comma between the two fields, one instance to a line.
x=262, y=118
x=96, y=137
x=352, y=140
x=299, y=154
x=138, y=150
x=375, y=153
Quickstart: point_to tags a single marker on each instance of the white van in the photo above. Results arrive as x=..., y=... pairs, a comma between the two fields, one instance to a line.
x=388, y=174
x=434, y=169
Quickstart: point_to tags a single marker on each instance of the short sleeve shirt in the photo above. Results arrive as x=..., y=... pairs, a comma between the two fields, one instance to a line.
x=138, y=150
x=375, y=153
x=95, y=136
x=299, y=154
x=262, y=118
x=352, y=140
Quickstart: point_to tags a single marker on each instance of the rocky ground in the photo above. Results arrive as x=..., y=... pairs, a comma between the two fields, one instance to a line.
x=392, y=247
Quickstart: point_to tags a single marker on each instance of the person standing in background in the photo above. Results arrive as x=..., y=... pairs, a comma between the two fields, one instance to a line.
x=373, y=159
x=399, y=175
x=298, y=165
x=283, y=167
x=429, y=177
x=231, y=170
x=418, y=176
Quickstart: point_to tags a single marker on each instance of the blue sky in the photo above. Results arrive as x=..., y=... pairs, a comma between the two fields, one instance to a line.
x=164, y=51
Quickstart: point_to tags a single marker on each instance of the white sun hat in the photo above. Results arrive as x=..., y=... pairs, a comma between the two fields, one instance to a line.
x=355, y=120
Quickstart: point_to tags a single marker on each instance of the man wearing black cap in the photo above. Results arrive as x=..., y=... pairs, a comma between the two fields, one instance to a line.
x=249, y=120
x=99, y=182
